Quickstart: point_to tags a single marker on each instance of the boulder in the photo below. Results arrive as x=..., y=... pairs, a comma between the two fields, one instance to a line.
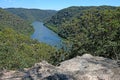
x=86, y=67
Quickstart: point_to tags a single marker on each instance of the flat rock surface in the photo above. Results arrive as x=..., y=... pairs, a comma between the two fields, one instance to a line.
x=86, y=67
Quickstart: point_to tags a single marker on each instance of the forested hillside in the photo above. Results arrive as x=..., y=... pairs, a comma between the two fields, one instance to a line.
x=17, y=50
x=32, y=14
x=68, y=13
x=94, y=30
x=12, y=21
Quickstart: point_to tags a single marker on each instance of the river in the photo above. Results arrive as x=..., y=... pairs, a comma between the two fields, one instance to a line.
x=45, y=35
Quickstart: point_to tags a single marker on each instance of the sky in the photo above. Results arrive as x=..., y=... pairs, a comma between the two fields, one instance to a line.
x=55, y=4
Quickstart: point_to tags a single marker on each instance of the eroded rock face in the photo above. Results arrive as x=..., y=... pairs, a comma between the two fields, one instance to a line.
x=86, y=67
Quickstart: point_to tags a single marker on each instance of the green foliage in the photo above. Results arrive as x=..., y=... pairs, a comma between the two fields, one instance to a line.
x=65, y=15
x=55, y=29
x=58, y=57
x=94, y=30
x=12, y=21
x=32, y=14
x=18, y=51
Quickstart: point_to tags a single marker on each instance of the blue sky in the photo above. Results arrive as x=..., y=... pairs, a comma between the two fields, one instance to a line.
x=55, y=4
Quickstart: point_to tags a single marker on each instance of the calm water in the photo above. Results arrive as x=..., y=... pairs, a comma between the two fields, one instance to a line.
x=45, y=35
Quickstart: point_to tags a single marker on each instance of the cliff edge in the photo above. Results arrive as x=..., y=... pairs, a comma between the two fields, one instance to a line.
x=86, y=67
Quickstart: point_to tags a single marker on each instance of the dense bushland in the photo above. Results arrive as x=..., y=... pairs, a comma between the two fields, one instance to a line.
x=94, y=30
x=9, y=20
x=17, y=50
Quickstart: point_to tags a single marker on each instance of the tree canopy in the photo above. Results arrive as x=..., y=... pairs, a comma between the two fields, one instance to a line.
x=94, y=30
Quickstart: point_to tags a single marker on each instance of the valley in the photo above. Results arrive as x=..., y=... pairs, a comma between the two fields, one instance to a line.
x=29, y=36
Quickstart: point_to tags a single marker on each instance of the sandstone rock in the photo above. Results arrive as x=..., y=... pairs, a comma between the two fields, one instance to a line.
x=86, y=67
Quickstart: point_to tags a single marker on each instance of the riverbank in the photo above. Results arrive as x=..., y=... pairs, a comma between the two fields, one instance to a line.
x=54, y=29
x=45, y=35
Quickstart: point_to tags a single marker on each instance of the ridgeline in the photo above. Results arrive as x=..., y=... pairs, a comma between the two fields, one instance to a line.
x=32, y=14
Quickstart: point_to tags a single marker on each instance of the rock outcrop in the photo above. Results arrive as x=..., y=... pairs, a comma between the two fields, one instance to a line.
x=86, y=67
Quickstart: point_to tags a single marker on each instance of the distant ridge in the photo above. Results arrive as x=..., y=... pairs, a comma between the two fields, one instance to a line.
x=32, y=14
x=8, y=20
